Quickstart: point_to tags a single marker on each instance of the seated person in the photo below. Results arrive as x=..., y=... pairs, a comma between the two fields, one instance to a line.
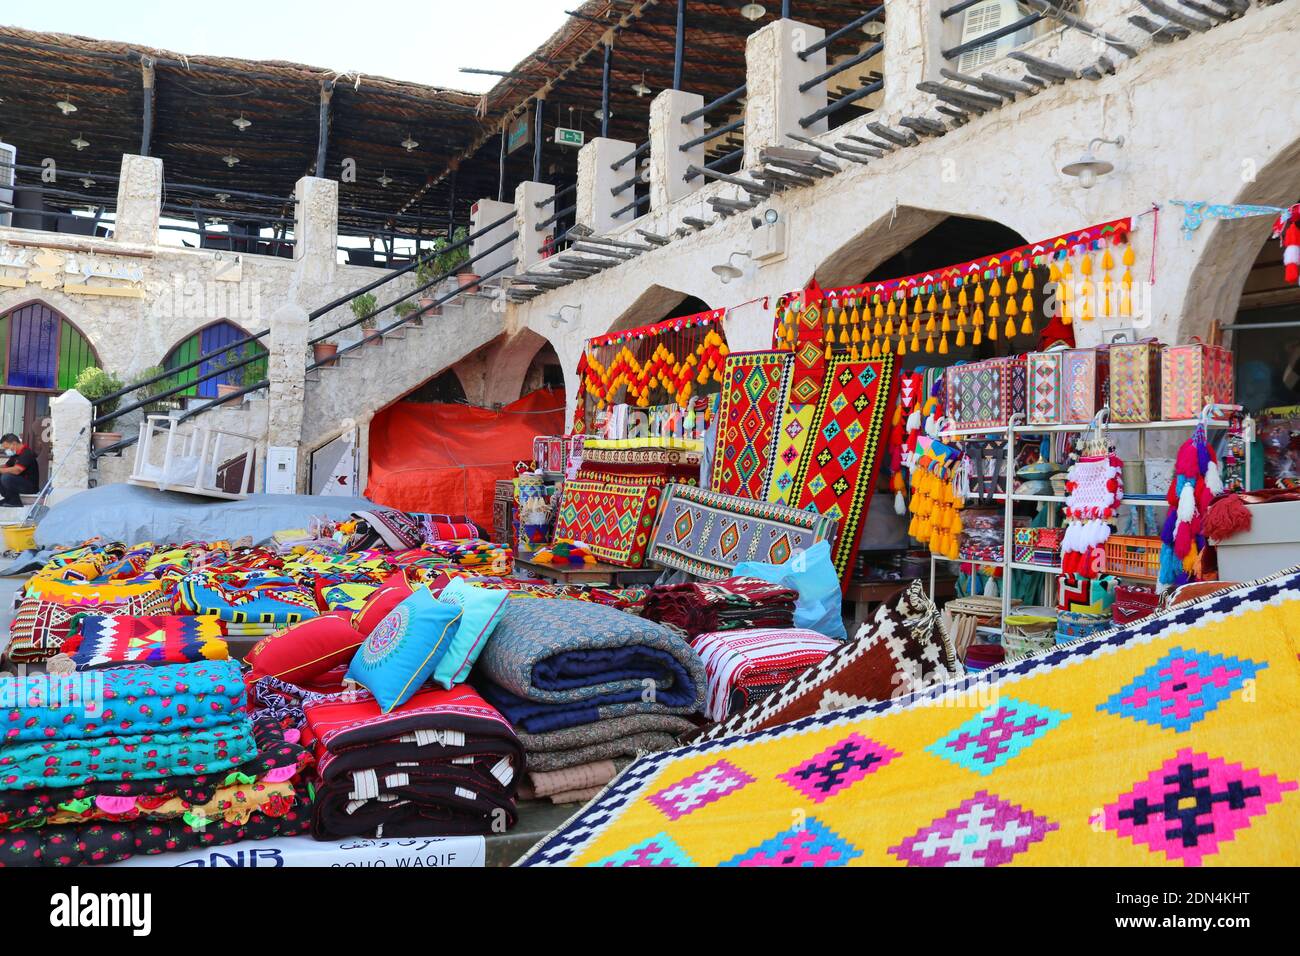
x=20, y=474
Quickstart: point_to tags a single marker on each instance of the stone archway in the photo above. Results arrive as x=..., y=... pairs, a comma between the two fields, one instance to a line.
x=495, y=375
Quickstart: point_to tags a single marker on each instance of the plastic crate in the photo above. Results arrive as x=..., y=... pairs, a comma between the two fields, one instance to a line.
x=1130, y=556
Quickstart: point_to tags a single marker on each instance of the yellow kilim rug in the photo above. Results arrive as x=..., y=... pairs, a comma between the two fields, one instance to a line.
x=1168, y=742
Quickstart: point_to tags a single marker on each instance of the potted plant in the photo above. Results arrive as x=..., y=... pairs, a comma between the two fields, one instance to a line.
x=94, y=383
x=425, y=273
x=403, y=309
x=237, y=378
x=146, y=392
x=324, y=351
x=362, y=306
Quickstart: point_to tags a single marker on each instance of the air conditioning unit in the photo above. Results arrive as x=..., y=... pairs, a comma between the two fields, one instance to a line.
x=985, y=18
x=8, y=175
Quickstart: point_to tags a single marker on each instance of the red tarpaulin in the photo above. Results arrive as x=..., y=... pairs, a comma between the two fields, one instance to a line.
x=447, y=458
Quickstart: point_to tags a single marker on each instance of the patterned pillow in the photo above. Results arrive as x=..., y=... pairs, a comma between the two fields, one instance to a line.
x=900, y=650
x=303, y=651
x=401, y=652
x=482, y=609
x=40, y=627
x=396, y=529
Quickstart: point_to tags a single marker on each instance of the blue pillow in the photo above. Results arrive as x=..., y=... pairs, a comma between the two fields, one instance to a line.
x=403, y=649
x=813, y=575
x=483, y=608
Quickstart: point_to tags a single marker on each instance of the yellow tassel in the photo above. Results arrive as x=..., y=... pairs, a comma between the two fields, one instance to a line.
x=880, y=312
x=916, y=342
x=1129, y=256
x=977, y=338
x=978, y=318
x=1027, y=304
x=1107, y=260
x=830, y=336
x=855, y=337
x=929, y=324
x=844, y=334
x=1085, y=310
x=1010, y=330
x=902, y=308
x=929, y=344
x=1066, y=269
x=995, y=289
x=993, y=330
x=891, y=310
x=1126, y=301
x=961, y=298
x=932, y=305
x=979, y=295
x=1053, y=273
x=1085, y=265
x=1107, y=296
x=856, y=317
x=902, y=346
x=995, y=311
x=947, y=300
x=946, y=326
x=879, y=329
x=1028, y=281
x=943, y=344
x=854, y=353
x=961, y=318
x=1026, y=327
x=1011, y=287
x=875, y=349
x=961, y=338
x=889, y=327
x=827, y=354
x=1012, y=308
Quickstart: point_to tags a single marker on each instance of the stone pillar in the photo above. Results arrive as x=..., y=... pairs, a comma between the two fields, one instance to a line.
x=529, y=241
x=70, y=413
x=913, y=41
x=773, y=72
x=597, y=201
x=482, y=213
x=286, y=373
x=139, y=200
x=668, y=161
x=316, y=230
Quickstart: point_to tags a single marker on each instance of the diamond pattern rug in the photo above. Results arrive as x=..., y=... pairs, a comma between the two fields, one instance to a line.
x=1167, y=742
x=613, y=520
x=754, y=391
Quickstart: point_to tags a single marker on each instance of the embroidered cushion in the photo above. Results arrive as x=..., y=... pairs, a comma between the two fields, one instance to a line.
x=342, y=595
x=402, y=650
x=482, y=609
x=303, y=651
x=378, y=605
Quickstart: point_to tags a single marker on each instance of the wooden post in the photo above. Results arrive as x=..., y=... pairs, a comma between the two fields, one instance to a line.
x=537, y=141
x=679, y=48
x=147, y=81
x=323, y=136
x=604, y=90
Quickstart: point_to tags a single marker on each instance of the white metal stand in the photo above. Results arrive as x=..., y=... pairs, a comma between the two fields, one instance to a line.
x=194, y=458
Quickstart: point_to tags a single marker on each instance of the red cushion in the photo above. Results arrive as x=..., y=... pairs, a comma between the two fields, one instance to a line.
x=303, y=651
x=391, y=593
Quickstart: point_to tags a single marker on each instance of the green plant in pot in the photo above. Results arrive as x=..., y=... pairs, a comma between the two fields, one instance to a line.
x=362, y=306
x=425, y=273
x=146, y=392
x=94, y=383
x=403, y=309
x=238, y=377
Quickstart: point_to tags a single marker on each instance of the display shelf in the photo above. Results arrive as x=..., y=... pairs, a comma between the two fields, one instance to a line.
x=1053, y=429
x=1029, y=566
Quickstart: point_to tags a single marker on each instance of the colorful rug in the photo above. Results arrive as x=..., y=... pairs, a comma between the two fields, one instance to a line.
x=1164, y=743
x=808, y=372
x=740, y=663
x=837, y=473
x=170, y=639
x=706, y=533
x=755, y=387
x=791, y=439
x=614, y=520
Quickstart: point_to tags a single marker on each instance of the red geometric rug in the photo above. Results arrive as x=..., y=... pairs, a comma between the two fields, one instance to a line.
x=755, y=388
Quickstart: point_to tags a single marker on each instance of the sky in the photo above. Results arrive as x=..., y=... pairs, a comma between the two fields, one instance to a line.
x=424, y=42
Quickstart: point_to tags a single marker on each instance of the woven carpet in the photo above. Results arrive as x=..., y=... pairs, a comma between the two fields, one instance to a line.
x=837, y=473
x=755, y=386
x=791, y=439
x=1168, y=742
x=613, y=519
x=706, y=533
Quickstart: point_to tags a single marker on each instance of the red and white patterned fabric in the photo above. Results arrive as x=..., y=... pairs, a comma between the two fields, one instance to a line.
x=755, y=659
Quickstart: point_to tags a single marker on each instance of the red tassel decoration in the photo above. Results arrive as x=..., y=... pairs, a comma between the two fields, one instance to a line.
x=1291, y=253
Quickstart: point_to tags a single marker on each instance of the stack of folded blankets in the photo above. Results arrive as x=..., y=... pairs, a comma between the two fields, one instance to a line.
x=443, y=762
x=583, y=683
x=99, y=767
x=745, y=666
x=725, y=605
x=570, y=785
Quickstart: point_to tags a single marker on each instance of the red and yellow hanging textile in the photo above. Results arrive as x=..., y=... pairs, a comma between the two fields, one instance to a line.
x=673, y=358
x=991, y=297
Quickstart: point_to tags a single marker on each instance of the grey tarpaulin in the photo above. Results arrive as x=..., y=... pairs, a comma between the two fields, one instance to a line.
x=131, y=514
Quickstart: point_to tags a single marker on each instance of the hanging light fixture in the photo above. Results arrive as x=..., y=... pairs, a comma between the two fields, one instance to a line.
x=600, y=115
x=65, y=107
x=726, y=271
x=231, y=160
x=79, y=142
x=241, y=124
x=385, y=180
x=1088, y=167
x=87, y=182
x=639, y=88
x=409, y=144
x=753, y=11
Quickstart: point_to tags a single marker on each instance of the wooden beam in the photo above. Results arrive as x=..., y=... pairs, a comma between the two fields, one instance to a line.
x=1160, y=32
x=893, y=136
x=923, y=125
x=1174, y=15
x=1045, y=68
x=871, y=149
x=1054, y=12
x=978, y=83
x=751, y=187
x=323, y=126
x=979, y=102
x=827, y=149
x=146, y=120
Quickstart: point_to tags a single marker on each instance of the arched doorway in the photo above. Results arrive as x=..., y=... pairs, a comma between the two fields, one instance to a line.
x=208, y=339
x=44, y=352
x=544, y=371
x=445, y=388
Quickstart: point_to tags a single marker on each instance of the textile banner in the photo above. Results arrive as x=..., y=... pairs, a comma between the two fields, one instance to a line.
x=755, y=389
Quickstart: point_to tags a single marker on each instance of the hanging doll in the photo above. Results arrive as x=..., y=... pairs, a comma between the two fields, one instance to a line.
x=1196, y=483
x=909, y=398
x=1094, y=488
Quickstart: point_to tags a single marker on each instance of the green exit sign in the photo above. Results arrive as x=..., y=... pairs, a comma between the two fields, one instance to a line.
x=570, y=137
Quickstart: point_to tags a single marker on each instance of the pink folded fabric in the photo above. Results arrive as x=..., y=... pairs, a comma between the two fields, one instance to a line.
x=576, y=796
x=580, y=778
x=745, y=659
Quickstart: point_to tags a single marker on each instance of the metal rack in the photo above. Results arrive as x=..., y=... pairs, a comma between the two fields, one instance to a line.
x=1009, y=498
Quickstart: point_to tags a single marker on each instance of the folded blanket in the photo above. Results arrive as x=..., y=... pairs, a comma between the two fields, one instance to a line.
x=126, y=701
x=729, y=604
x=40, y=627
x=109, y=842
x=445, y=762
x=603, y=740
x=279, y=757
x=528, y=716
x=252, y=597
x=581, y=777
x=757, y=659
x=170, y=639
x=575, y=653
x=69, y=763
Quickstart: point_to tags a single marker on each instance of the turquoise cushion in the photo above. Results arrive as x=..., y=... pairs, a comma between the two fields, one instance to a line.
x=404, y=648
x=483, y=608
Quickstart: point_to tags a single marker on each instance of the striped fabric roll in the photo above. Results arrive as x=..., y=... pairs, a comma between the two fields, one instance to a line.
x=738, y=662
